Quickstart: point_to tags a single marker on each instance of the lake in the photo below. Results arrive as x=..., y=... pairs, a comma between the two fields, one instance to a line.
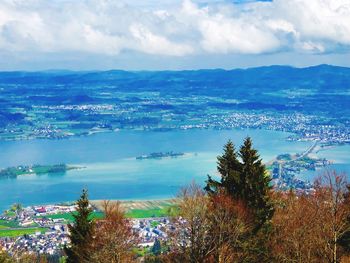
x=112, y=172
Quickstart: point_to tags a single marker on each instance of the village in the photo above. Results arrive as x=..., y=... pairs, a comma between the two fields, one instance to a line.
x=44, y=229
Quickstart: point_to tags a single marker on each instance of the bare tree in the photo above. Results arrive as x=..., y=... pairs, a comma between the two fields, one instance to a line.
x=230, y=221
x=307, y=227
x=113, y=239
x=209, y=228
x=294, y=231
x=191, y=241
x=333, y=210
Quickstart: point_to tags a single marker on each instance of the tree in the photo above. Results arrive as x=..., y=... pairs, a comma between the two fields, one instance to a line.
x=344, y=239
x=245, y=180
x=4, y=257
x=229, y=223
x=191, y=241
x=294, y=237
x=81, y=232
x=157, y=248
x=114, y=239
x=256, y=187
x=309, y=227
x=209, y=228
x=334, y=210
x=229, y=169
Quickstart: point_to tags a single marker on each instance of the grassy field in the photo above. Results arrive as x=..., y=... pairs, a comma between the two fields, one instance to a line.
x=133, y=213
x=147, y=213
x=154, y=223
x=10, y=213
x=5, y=223
x=145, y=208
x=20, y=232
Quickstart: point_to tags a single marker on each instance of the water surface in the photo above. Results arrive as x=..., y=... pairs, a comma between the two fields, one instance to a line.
x=112, y=172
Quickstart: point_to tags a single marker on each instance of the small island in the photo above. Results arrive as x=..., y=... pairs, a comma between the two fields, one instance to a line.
x=159, y=155
x=13, y=172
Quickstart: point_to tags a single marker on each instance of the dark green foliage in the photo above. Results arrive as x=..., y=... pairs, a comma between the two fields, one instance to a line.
x=256, y=188
x=81, y=232
x=228, y=167
x=244, y=180
x=157, y=248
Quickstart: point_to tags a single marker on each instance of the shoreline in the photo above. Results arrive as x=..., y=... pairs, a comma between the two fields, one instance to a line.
x=126, y=204
x=74, y=136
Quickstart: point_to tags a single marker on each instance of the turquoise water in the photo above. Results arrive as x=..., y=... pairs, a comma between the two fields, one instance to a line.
x=112, y=172
x=340, y=158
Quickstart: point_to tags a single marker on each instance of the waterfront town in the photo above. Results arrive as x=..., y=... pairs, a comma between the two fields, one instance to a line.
x=303, y=126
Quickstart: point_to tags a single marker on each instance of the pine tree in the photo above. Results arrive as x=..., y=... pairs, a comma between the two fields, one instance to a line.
x=256, y=188
x=81, y=232
x=228, y=167
x=156, y=249
x=244, y=180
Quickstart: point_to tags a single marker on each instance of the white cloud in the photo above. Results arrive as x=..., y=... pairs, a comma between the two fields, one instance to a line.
x=150, y=43
x=174, y=28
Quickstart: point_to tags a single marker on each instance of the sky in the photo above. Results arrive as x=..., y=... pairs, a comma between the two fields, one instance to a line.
x=172, y=34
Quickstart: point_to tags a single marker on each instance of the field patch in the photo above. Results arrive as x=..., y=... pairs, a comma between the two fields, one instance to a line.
x=9, y=224
x=20, y=232
x=145, y=208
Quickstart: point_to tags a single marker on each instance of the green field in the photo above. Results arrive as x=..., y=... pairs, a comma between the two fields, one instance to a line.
x=147, y=213
x=134, y=213
x=10, y=213
x=20, y=232
x=10, y=224
x=154, y=223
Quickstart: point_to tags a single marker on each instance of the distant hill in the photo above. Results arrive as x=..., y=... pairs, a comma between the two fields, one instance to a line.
x=152, y=98
x=318, y=78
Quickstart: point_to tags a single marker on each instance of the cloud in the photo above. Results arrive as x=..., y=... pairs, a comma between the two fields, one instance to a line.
x=225, y=32
x=174, y=28
x=148, y=42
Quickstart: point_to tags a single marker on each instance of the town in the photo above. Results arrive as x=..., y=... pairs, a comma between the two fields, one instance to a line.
x=286, y=168
x=43, y=229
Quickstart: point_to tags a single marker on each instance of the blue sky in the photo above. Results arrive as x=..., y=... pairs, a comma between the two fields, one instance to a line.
x=172, y=34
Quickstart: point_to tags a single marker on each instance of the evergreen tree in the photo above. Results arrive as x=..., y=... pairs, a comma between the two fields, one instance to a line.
x=156, y=249
x=244, y=180
x=81, y=232
x=256, y=188
x=229, y=168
